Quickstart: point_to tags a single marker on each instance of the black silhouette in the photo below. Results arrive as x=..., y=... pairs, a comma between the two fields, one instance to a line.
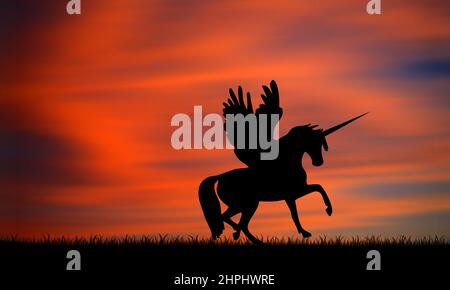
x=265, y=180
x=271, y=105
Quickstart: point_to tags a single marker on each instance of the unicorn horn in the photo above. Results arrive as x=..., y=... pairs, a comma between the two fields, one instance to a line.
x=337, y=127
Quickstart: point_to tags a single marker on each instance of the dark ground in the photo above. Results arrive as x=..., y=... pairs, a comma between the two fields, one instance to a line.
x=156, y=262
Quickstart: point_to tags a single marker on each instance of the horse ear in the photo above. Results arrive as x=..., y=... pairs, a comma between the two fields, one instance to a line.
x=313, y=126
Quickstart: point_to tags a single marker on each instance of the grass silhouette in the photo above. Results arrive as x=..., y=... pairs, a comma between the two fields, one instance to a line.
x=163, y=257
x=196, y=241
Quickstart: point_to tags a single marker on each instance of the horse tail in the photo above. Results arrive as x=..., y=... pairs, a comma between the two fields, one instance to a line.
x=211, y=206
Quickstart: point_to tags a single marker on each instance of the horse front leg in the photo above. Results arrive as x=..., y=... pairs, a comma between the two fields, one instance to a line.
x=317, y=187
x=294, y=214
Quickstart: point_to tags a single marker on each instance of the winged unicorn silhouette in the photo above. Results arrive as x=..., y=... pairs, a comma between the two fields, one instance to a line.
x=281, y=179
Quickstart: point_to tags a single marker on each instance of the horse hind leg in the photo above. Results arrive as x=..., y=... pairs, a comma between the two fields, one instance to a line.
x=243, y=223
x=230, y=212
x=227, y=218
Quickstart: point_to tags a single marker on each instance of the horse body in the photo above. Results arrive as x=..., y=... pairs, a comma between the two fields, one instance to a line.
x=248, y=184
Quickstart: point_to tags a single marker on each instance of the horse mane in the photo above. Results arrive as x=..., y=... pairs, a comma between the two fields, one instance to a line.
x=304, y=130
x=303, y=133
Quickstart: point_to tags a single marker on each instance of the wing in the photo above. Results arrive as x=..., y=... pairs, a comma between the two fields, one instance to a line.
x=270, y=105
x=271, y=101
x=236, y=105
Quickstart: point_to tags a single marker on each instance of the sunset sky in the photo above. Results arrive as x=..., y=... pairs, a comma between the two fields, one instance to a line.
x=86, y=103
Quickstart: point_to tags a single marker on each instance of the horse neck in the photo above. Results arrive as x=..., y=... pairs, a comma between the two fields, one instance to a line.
x=300, y=158
x=292, y=159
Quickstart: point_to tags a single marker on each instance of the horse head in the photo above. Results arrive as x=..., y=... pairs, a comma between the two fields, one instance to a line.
x=312, y=140
x=306, y=139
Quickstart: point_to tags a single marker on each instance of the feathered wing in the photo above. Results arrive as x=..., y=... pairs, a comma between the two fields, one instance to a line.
x=235, y=105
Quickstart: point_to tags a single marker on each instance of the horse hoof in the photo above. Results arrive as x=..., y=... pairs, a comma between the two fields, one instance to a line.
x=306, y=234
x=236, y=235
x=329, y=210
